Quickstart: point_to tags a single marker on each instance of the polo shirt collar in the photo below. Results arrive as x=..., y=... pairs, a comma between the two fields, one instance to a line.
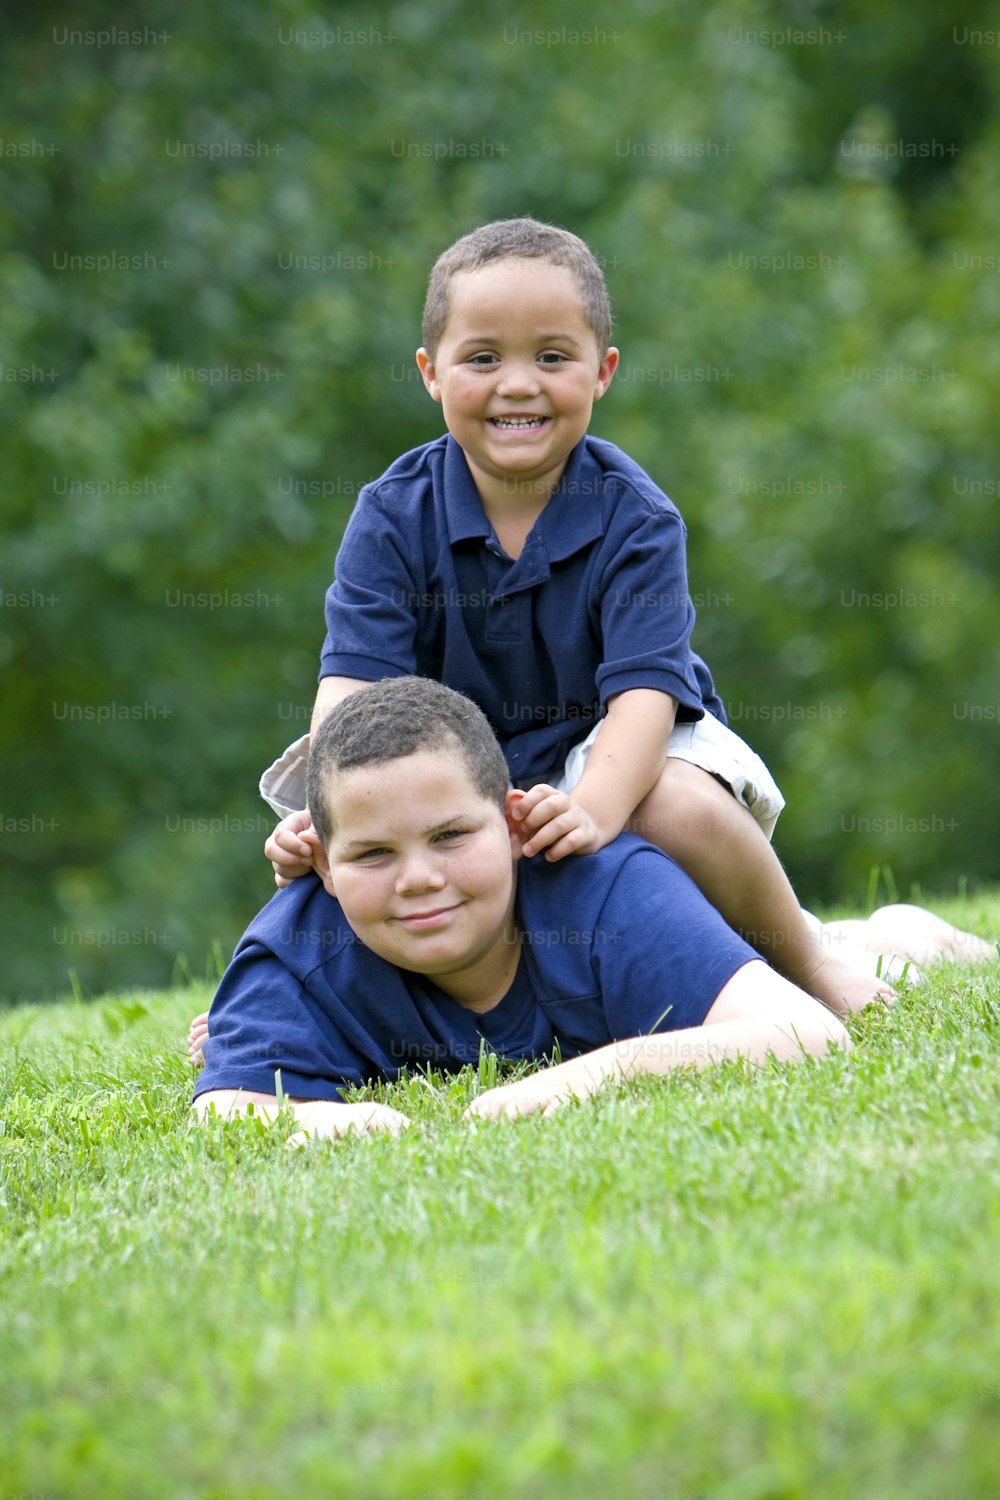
x=463, y=509
x=572, y=519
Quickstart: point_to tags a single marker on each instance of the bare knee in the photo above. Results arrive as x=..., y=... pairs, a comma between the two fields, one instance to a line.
x=688, y=811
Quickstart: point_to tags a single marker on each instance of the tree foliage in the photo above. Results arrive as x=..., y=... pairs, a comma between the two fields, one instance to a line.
x=216, y=230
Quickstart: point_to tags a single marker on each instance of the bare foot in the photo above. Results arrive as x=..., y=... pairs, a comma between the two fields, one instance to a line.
x=920, y=935
x=842, y=987
x=197, y=1037
x=834, y=967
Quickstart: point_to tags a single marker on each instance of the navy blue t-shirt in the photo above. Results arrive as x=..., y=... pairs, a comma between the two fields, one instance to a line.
x=596, y=604
x=615, y=945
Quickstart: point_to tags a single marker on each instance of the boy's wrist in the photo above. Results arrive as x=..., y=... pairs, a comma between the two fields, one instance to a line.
x=605, y=827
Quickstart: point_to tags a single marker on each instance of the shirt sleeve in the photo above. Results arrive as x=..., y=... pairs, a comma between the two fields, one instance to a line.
x=371, y=606
x=662, y=951
x=647, y=615
x=264, y=1022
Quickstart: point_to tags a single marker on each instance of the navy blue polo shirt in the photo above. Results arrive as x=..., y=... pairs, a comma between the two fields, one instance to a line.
x=616, y=944
x=596, y=604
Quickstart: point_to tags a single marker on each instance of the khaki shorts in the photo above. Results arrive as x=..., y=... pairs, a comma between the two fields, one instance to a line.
x=706, y=743
x=709, y=744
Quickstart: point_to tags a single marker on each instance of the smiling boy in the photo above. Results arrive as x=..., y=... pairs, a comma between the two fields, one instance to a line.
x=542, y=573
x=517, y=370
x=442, y=939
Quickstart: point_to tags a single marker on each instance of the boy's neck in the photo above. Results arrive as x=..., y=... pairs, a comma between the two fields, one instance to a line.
x=484, y=992
x=483, y=985
x=513, y=500
x=513, y=508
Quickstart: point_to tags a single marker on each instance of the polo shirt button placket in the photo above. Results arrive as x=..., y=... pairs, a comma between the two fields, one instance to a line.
x=507, y=618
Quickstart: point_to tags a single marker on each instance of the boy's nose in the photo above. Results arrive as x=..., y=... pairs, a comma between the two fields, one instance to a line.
x=418, y=873
x=518, y=378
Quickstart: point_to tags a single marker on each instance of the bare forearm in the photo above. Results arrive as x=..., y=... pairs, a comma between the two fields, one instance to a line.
x=695, y=1046
x=627, y=757
x=756, y=1015
x=331, y=691
x=701, y=1046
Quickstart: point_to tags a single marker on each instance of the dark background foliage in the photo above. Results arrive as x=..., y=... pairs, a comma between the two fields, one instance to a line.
x=216, y=228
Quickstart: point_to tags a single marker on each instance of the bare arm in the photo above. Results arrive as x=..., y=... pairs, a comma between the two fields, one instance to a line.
x=320, y=1119
x=291, y=847
x=625, y=763
x=756, y=1015
x=331, y=691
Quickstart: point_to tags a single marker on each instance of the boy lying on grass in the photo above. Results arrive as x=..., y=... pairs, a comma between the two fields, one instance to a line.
x=441, y=938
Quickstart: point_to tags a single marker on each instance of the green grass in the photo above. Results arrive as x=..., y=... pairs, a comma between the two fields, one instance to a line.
x=735, y=1285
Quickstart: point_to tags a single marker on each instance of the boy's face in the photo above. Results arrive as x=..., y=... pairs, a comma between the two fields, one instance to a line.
x=423, y=867
x=517, y=371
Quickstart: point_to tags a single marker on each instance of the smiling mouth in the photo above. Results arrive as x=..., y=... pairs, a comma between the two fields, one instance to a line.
x=517, y=424
x=418, y=920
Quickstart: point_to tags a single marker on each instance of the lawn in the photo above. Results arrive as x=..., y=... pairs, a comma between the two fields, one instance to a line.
x=738, y=1285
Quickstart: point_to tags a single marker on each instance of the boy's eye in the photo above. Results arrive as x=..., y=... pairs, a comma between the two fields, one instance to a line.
x=552, y=357
x=483, y=360
x=374, y=853
x=450, y=834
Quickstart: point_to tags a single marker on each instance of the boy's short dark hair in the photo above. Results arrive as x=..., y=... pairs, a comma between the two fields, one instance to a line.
x=391, y=719
x=509, y=239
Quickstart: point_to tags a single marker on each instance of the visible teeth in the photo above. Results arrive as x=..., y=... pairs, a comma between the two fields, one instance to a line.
x=516, y=421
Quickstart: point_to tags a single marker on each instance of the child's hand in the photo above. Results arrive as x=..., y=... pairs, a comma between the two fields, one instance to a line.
x=552, y=821
x=324, y=1119
x=545, y=1090
x=197, y=1037
x=291, y=848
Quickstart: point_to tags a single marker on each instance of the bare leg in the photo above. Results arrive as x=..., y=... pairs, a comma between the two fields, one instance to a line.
x=699, y=823
x=914, y=933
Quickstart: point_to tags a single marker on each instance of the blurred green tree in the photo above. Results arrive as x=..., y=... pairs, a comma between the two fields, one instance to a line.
x=216, y=228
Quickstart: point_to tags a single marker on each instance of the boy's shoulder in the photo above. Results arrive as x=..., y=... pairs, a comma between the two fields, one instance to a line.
x=619, y=471
x=629, y=906
x=581, y=884
x=413, y=466
x=413, y=493
x=303, y=926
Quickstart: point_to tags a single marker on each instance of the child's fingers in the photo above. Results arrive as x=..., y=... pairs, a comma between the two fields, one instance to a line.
x=552, y=836
x=509, y=1101
x=297, y=822
x=197, y=1037
x=291, y=848
x=544, y=807
x=559, y=827
x=574, y=843
x=391, y=1120
x=529, y=800
x=288, y=846
x=324, y=1124
x=290, y=869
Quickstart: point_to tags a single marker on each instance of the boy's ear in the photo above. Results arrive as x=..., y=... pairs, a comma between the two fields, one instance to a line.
x=605, y=374
x=321, y=864
x=427, y=374
x=513, y=826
